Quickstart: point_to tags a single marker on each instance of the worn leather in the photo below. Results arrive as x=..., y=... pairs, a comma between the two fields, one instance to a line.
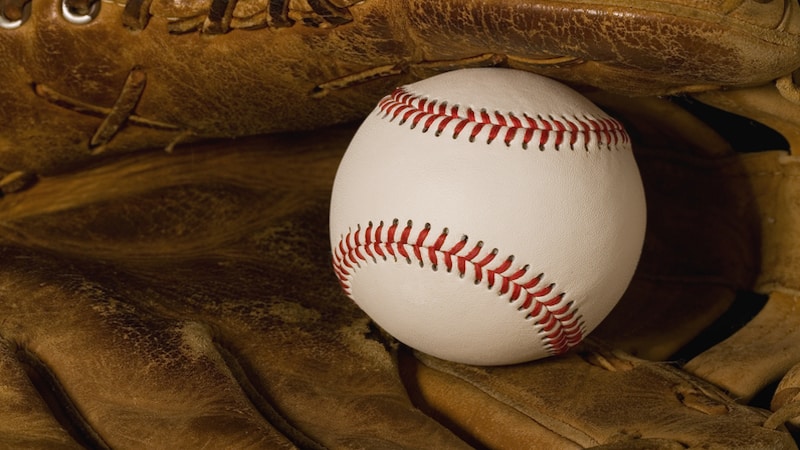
x=165, y=300
x=170, y=300
x=157, y=73
x=224, y=327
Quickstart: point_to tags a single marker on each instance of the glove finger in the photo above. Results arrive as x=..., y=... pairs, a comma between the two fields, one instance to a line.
x=124, y=377
x=762, y=346
x=577, y=399
x=786, y=401
x=759, y=346
x=27, y=420
x=220, y=313
x=701, y=243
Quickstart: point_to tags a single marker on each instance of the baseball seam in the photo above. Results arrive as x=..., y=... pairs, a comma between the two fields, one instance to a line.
x=560, y=132
x=558, y=321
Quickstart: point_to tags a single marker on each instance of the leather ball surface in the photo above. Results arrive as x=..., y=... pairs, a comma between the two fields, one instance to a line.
x=487, y=216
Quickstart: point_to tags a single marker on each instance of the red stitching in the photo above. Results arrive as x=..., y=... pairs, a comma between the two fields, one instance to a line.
x=561, y=131
x=558, y=322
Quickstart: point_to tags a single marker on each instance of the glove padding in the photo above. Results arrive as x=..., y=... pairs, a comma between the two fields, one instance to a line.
x=217, y=320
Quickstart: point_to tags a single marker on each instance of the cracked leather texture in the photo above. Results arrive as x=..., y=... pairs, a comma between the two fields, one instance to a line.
x=63, y=81
x=153, y=299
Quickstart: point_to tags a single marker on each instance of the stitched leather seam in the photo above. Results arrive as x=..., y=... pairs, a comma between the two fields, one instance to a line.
x=562, y=132
x=558, y=321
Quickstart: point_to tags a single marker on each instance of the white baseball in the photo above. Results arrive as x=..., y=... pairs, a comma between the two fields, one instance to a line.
x=487, y=216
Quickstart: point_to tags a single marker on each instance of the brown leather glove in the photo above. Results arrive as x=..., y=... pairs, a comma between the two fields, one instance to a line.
x=185, y=299
x=150, y=73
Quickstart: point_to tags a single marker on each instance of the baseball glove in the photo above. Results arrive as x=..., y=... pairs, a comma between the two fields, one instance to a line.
x=184, y=298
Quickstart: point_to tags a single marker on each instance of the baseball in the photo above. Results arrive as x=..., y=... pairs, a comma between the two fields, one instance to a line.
x=487, y=216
